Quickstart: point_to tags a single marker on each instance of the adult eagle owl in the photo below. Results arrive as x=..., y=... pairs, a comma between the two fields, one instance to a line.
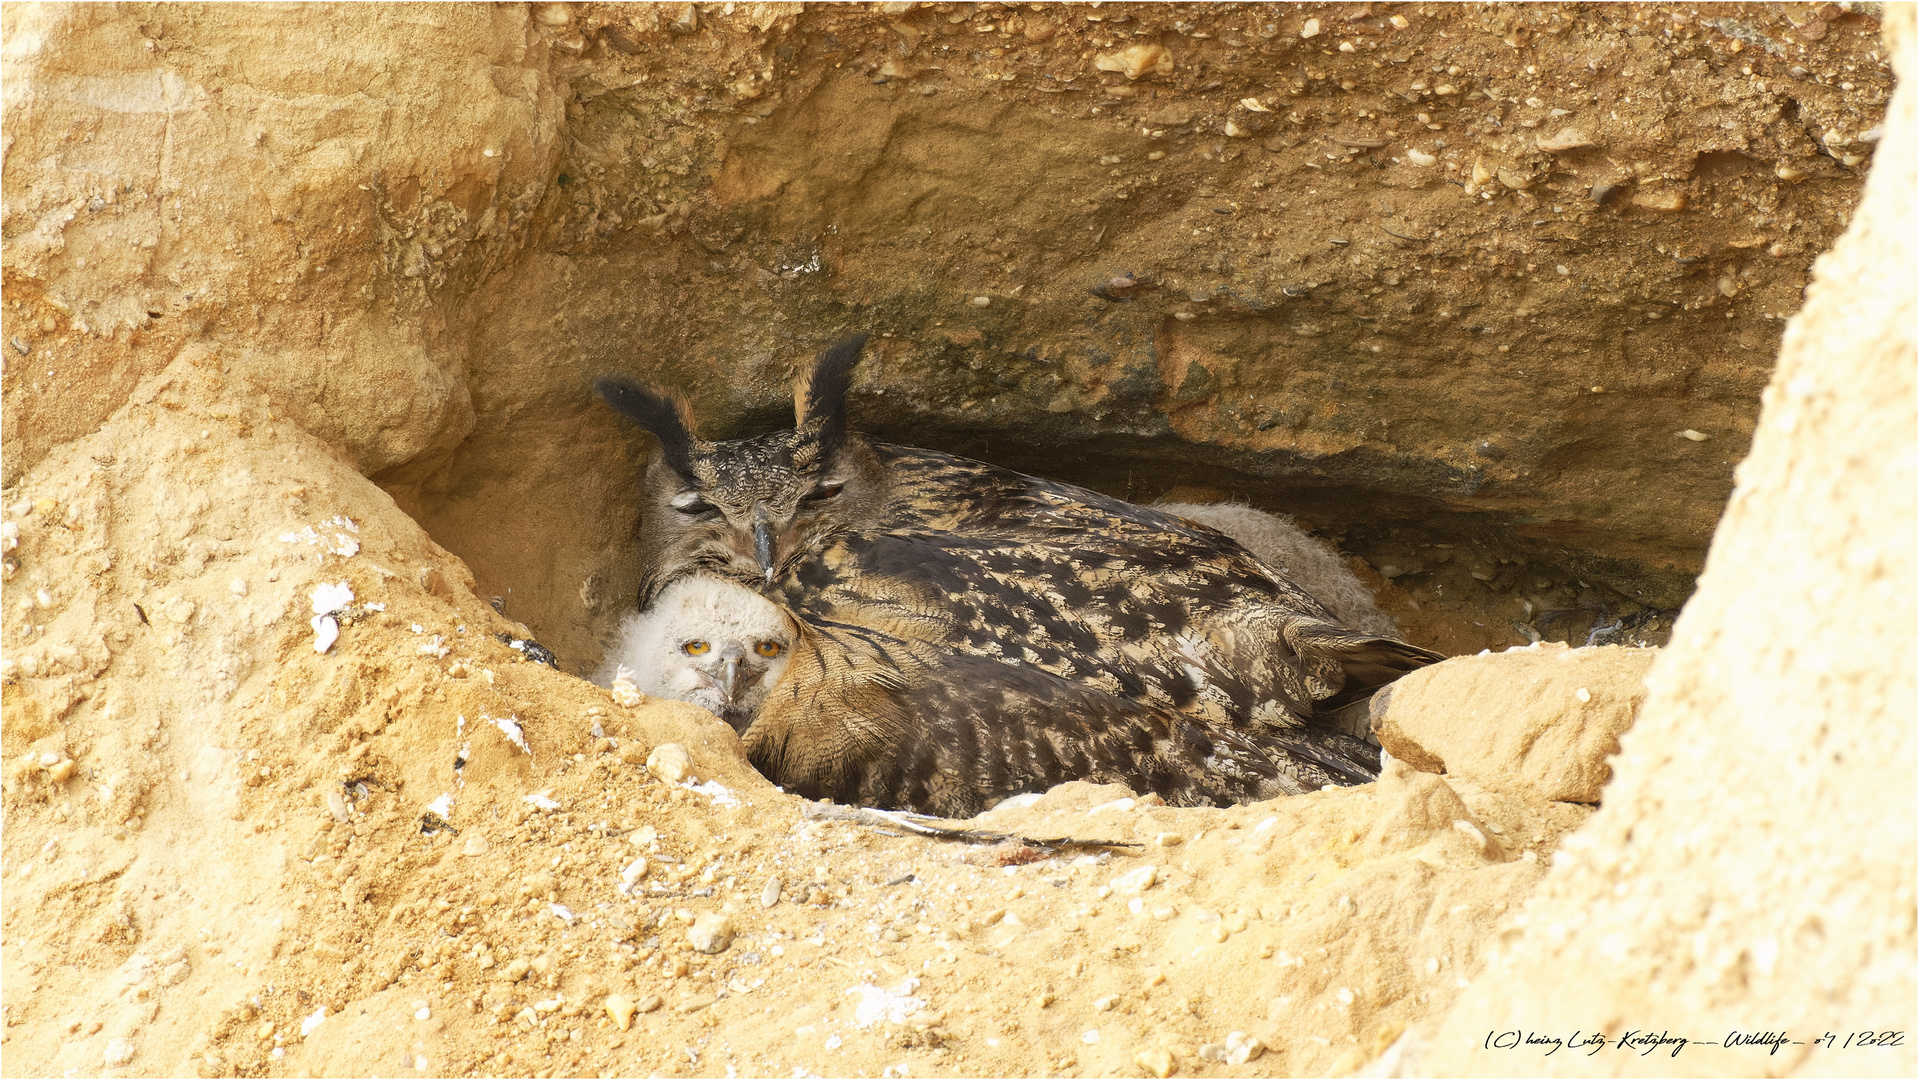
x=966, y=632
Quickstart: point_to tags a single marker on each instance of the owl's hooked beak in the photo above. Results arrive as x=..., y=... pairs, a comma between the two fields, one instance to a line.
x=763, y=542
x=729, y=680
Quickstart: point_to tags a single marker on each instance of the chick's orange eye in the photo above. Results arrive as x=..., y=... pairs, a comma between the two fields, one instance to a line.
x=769, y=649
x=695, y=648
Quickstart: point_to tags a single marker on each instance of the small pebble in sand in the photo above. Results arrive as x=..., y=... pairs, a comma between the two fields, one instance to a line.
x=710, y=933
x=1242, y=1048
x=1134, y=882
x=119, y=1052
x=1170, y=839
x=1238, y=1049
x=625, y=692
x=1105, y=1004
x=1155, y=1061
x=670, y=762
x=770, y=895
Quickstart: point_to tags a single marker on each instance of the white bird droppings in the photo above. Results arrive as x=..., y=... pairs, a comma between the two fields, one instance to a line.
x=510, y=727
x=330, y=597
x=326, y=631
x=333, y=536
x=717, y=792
x=891, y=1006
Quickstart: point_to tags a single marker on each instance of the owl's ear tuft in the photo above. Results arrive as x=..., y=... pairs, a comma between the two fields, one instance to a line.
x=661, y=412
x=822, y=396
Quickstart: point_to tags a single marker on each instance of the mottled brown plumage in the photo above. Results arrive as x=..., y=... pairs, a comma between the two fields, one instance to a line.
x=967, y=632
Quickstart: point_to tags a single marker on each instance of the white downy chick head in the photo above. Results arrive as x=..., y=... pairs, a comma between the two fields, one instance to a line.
x=707, y=641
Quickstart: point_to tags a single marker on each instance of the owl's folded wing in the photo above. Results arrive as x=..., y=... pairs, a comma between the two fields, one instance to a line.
x=1169, y=624
x=865, y=717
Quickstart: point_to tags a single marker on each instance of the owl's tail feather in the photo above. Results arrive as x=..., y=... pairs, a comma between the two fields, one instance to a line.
x=1348, y=759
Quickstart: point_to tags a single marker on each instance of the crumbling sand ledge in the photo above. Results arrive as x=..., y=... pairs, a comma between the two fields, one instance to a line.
x=213, y=832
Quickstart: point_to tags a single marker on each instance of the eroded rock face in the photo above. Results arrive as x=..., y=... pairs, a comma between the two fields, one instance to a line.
x=1396, y=298
x=1764, y=798
x=1466, y=281
x=305, y=206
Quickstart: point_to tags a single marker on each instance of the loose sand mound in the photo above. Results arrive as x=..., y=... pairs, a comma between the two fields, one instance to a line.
x=242, y=839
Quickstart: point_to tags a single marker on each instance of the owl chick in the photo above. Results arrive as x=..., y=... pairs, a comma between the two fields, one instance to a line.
x=1307, y=562
x=707, y=641
x=965, y=632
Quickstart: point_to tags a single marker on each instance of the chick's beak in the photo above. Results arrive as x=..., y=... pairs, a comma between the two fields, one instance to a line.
x=729, y=679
